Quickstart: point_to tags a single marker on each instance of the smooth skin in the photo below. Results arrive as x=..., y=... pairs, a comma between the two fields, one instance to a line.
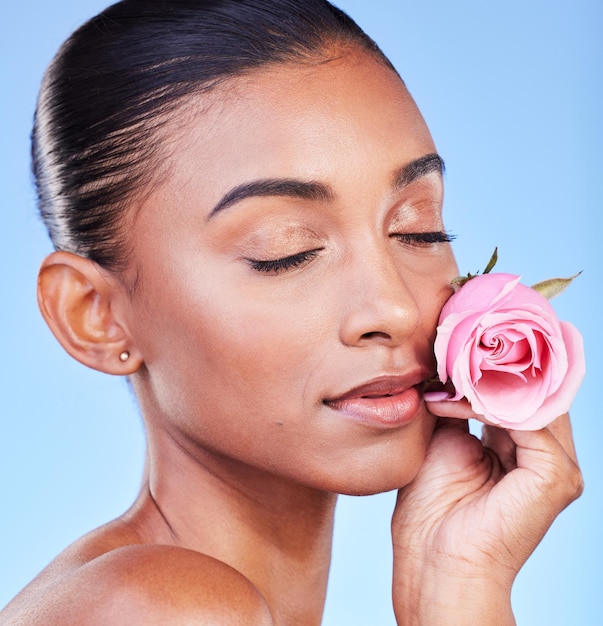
x=236, y=357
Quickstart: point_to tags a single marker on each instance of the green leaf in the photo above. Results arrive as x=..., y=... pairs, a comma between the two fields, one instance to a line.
x=461, y=280
x=492, y=261
x=554, y=286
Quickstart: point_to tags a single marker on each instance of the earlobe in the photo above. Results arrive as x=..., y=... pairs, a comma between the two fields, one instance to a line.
x=78, y=302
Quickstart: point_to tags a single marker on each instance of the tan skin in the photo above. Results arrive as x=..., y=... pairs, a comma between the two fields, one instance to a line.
x=236, y=364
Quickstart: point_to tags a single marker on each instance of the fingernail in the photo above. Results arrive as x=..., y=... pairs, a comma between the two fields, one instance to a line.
x=437, y=396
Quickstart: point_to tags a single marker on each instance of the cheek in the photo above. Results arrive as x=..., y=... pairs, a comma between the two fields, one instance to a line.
x=431, y=292
x=219, y=345
x=260, y=351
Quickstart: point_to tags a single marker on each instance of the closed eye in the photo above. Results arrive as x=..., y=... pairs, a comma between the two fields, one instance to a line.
x=275, y=266
x=424, y=239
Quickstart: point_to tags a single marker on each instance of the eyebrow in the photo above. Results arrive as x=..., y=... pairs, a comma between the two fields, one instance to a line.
x=287, y=187
x=423, y=166
x=311, y=190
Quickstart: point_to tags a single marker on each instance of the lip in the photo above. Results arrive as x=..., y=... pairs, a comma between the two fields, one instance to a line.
x=384, y=402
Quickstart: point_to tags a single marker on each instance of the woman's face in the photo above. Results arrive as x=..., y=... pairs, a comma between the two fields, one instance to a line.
x=291, y=269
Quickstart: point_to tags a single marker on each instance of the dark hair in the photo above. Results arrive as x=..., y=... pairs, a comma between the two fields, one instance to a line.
x=106, y=94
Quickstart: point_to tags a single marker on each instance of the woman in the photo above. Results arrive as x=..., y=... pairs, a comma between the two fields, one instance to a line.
x=246, y=206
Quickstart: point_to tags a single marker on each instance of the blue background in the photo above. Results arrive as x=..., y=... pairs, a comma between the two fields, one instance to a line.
x=512, y=92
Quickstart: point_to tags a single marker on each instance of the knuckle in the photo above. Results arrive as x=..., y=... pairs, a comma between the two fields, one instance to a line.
x=573, y=482
x=577, y=484
x=563, y=482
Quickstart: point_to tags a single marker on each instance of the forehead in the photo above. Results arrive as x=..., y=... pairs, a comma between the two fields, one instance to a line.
x=313, y=121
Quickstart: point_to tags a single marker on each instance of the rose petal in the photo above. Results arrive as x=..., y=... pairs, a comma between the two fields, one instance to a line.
x=479, y=294
x=559, y=402
x=504, y=349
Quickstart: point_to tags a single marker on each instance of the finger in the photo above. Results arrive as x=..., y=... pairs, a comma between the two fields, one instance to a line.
x=543, y=455
x=458, y=409
x=452, y=422
x=500, y=442
x=561, y=428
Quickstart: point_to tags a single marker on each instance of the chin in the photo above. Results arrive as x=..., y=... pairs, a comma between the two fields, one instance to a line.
x=380, y=477
x=386, y=467
x=367, y=486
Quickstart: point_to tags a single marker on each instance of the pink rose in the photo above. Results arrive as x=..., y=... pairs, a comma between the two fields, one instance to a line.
x=504, y=349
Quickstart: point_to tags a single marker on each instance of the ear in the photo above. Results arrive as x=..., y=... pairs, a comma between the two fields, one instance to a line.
x=79, y=302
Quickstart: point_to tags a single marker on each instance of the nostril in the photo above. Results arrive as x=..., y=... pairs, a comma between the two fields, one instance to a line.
x=376, y=335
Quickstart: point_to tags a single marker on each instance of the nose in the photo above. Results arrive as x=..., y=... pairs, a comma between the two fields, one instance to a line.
x=379, y=307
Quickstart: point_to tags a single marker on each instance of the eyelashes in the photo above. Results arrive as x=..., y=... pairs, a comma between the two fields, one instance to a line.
x=439, y=236
x=277, y=266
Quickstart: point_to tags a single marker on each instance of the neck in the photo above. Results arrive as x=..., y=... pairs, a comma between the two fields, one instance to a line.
x=276, y=532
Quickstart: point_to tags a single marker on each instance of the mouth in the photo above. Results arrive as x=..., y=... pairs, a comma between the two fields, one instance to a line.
x=384, y=402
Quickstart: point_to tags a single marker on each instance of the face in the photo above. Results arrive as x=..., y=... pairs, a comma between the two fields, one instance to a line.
x=290, y=271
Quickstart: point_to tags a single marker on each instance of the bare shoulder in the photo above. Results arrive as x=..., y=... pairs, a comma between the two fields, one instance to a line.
x=144, y=584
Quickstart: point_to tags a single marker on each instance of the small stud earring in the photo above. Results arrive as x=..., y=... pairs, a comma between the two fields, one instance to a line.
x=124, y=356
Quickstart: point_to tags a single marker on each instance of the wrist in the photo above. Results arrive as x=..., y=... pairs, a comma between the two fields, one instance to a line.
x=437, y=597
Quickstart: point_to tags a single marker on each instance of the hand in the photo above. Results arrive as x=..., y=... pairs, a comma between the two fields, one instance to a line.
x=473, y=515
